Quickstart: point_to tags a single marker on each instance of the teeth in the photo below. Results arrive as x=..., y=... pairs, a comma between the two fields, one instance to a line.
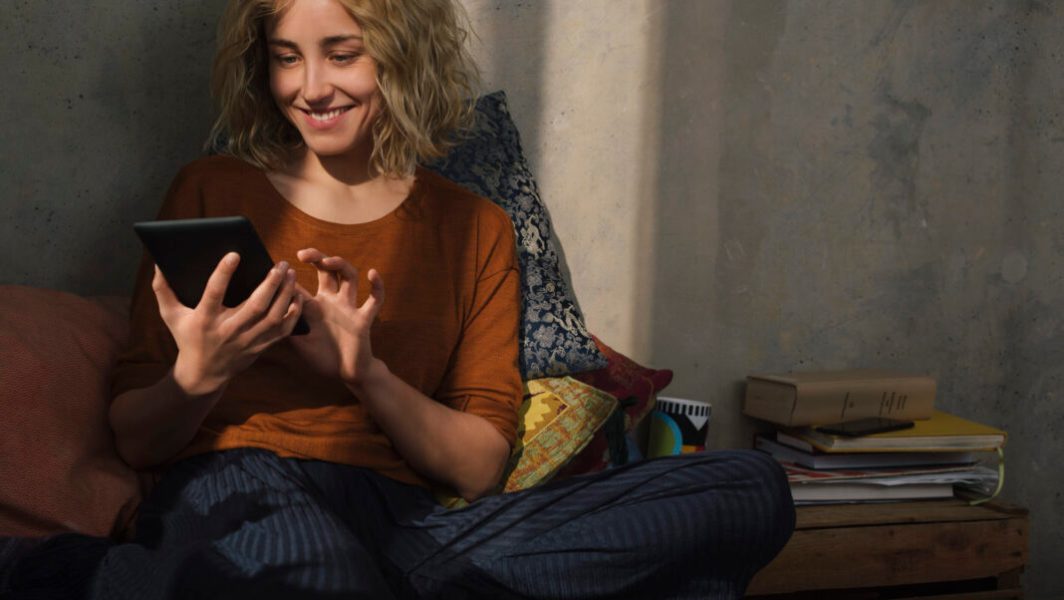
x=332, y=114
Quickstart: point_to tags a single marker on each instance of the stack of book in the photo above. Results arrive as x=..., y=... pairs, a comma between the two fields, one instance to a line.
x=939, y=455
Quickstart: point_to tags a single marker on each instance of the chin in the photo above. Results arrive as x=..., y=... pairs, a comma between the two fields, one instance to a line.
x=330, y=150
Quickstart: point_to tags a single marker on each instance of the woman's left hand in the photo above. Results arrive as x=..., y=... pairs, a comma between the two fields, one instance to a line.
x=338, y=344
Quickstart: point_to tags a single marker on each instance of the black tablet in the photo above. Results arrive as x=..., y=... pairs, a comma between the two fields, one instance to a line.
x=867, y=426
x=188, y=250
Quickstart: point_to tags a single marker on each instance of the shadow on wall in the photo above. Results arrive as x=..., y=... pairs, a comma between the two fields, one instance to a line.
x=513, y=35
x=710, y=59
x=509, y=43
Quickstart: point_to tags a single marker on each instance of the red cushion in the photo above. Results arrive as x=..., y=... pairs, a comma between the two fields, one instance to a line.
x=626, y=380
x=58, y=466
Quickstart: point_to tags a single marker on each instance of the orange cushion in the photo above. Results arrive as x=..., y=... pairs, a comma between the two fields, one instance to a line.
x=58, y=467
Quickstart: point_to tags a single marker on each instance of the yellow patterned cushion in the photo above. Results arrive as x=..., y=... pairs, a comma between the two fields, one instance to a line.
x=558, y=417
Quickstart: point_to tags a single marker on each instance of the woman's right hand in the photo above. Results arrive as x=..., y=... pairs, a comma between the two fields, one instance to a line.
x=215, y=342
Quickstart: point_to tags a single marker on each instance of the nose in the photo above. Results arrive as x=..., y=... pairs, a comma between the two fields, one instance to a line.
x=317, y=88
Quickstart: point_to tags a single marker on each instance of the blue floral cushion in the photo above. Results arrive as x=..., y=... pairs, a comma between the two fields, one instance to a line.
x=554, y=339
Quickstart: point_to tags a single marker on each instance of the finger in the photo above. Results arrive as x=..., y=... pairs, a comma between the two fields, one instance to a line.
x=326, y=279
x=288, y=319
x=348, y=275
x=283, y=300
x=277, y=322
x=164, y=295
x=258, y=303
x=311, y=309
x=214, y=292
x=310, y=255
x=376, y=293
x=291, y=317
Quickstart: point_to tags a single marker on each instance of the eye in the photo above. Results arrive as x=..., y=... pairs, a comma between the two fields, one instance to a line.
x=344, y=58
x=286, y=60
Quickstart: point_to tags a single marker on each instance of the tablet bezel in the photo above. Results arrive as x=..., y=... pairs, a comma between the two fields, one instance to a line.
x=188, y=250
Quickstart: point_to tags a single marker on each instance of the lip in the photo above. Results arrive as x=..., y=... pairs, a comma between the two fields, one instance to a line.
x=317, y=123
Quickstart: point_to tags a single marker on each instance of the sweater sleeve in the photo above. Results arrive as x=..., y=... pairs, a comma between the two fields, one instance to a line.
x=150, y=350
x=483, y=377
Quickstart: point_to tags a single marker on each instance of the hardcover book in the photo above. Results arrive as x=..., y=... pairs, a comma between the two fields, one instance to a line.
x=815, y=459
x=859, y=485
x=864, y=492
x=822, y=397
x=943, y=432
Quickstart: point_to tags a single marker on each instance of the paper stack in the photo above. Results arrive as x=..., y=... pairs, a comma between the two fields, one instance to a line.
x=939, y=455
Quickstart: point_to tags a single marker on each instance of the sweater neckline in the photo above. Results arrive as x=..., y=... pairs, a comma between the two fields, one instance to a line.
x=286, y=209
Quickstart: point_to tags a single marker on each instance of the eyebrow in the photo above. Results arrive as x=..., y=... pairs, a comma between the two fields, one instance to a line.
x=332, y=40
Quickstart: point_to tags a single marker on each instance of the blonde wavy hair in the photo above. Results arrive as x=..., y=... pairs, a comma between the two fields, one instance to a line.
x=424, y=71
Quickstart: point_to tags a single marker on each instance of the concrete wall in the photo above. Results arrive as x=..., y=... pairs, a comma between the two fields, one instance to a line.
x=737, y=185
x=102, y=101
x=769, y=185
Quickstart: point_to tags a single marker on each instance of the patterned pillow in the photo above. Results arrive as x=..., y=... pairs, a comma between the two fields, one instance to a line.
x=636, y=387
x=558, y=418
x=554, y=339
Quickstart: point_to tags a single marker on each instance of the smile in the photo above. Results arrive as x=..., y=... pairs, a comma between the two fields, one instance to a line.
x=324, y=118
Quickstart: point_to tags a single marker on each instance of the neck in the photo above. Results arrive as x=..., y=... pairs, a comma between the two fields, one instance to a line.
x=339, y=189
x=349, y=169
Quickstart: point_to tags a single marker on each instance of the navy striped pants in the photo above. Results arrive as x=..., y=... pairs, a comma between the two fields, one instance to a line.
x=247, y=524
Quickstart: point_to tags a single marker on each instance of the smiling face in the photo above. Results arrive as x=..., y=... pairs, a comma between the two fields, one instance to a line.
x=322, y=79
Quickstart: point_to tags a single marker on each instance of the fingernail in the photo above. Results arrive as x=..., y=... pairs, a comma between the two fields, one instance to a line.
x=282, y=266
x=290, y=275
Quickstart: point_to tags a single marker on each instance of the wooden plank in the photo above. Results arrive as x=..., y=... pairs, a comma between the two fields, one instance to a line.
x=878, y=594
x=928, y=511
x=988, y=595
x=886, y=555
x=1010, y=579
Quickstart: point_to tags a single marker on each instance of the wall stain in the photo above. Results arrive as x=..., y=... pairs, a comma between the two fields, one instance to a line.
x=895, y=148
x=887, y=33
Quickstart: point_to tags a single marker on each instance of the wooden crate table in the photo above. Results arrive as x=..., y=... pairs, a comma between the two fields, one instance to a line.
x=942, y=549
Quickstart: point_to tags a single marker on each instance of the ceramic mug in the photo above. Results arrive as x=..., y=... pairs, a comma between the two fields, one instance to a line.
x=677, y=426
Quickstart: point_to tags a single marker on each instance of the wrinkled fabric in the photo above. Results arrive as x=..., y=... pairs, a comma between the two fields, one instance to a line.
x=248, y=524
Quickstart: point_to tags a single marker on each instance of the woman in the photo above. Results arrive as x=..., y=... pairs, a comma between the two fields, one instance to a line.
x=327, y=177
x=300, y=466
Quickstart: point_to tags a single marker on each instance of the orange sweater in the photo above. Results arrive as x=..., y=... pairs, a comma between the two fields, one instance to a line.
x=448, y=326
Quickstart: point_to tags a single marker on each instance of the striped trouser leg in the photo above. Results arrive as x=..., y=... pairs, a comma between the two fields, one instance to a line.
x=246, y=524
x=690, y=526
x=239, y=524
